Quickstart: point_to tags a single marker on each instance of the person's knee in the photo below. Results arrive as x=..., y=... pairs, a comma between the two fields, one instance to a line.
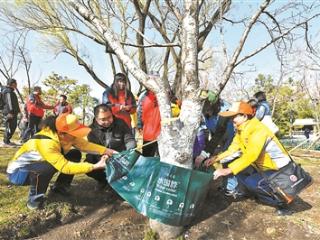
x=73, y=155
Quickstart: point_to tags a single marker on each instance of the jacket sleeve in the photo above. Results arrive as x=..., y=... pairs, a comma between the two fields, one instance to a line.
x=133, y=108
x=88, y=147
x=51, y=153
x=9, y=102
x=45, y=106
x=254, y=147
x=129, y=140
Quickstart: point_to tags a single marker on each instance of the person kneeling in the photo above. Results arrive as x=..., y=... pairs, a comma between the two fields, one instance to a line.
x=50, y=151
x=261, y=155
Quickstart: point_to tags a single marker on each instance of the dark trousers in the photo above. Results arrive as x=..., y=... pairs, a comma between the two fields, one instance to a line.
x=10, y=125
x=256, y=185
x=40, y=174
x=99, y=175
x=33, y=127
x=150, y=150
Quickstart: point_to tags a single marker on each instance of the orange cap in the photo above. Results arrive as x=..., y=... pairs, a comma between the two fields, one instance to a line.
x=69, y=123
x=236, y=108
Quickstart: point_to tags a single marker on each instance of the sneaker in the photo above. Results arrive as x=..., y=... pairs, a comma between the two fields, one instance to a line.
x=60, y=189
x=34, y=205
x=234, y=193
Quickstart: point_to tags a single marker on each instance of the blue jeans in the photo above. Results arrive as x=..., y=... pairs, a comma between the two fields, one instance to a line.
x=256, y=185
x=40, y=174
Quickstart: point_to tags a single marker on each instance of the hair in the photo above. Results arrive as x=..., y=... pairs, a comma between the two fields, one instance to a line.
x=260, y=96
x=209, y=109
x=11, y=81
x=114, y=86
x=36, y=88
x=63, y=96
x=253, y=102
x=49, y=122
x=101, y=108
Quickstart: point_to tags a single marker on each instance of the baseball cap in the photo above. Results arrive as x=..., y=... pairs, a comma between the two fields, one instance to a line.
x=69, y=123
x=236, y=108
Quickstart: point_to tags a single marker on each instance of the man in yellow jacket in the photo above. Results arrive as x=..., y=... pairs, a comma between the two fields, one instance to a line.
x=254, y=147
x=55, y=148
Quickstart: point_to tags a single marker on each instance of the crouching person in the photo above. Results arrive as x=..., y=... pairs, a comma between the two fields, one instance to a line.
x=50, y=151
x=260, y=152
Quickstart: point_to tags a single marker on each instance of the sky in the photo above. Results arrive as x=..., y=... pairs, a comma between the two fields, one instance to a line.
x=44, y=62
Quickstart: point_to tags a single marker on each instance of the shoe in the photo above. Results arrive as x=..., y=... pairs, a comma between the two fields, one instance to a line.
x=61, y=190
x=34, y=205
x=7, y=145
x=234, y=193
x=284, y=211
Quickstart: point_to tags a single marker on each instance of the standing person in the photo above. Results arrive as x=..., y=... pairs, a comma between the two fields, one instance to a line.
x=120, y=98
x=263, y=111
x=10, y=111
x=111, y=132
x=50, y=151
x=62, y=106
x=149, y=122
x=259, y=149
x=35, y=108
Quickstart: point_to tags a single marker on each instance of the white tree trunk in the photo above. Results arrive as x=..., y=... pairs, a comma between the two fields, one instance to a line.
x=176, y=139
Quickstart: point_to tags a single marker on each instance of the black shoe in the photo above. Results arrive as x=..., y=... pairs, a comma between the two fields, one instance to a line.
x=61, y=190
x=284, y=211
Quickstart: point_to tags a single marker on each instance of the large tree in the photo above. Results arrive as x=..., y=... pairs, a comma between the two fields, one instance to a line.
x=181, y=29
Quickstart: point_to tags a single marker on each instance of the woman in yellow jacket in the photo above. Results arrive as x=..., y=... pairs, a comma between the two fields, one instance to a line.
x=253, y=147
x=50, y=151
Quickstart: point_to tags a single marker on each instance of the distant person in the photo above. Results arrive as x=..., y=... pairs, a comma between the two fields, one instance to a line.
x=35, y=108
x=307, y=131
x=62, y=106
x=56, y=148
x=111, y=132
x=120, y=98
x=263, y=111
x=11, y=110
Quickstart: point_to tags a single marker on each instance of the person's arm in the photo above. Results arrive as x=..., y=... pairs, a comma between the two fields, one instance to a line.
x=9, y=102
x=260, y=112
x=44, y=106
x=128, y=137
x=133, y=108
x=50, y=151
x=254, y=147
x=88, y=147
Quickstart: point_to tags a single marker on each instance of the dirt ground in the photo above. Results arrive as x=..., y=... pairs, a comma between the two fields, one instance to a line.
x=89, y=214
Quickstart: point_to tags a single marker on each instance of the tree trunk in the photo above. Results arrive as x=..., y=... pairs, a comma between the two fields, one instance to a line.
x=176, y=140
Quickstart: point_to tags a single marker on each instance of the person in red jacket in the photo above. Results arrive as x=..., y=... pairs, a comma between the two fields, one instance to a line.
x=120, y=98
x=62, y=106
x=35, y=108
x=149, y=122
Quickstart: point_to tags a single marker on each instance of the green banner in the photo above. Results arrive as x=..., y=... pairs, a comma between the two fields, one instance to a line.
x=164, y=192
